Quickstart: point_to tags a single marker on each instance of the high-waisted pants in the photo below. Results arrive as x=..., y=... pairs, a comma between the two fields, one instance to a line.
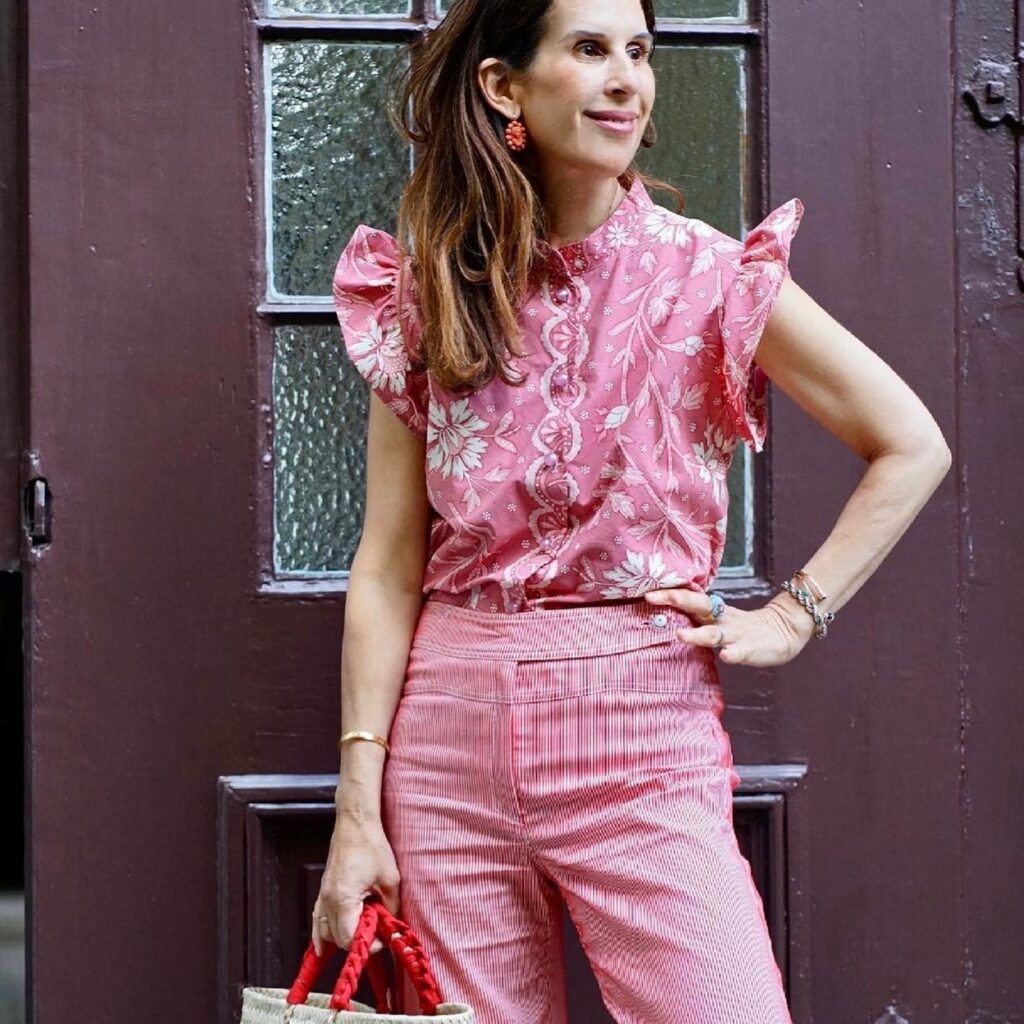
x=574, y=754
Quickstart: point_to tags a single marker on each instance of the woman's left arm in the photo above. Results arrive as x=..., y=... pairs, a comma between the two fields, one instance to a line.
x=861, y=400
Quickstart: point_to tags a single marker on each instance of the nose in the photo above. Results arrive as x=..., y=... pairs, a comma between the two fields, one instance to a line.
x=623, y=76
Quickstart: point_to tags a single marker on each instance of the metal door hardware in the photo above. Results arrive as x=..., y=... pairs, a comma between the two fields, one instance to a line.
x=37, y=509
x=990, y=99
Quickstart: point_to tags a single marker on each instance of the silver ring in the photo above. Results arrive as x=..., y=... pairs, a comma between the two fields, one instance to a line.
x=721, y=638
x=717, y=605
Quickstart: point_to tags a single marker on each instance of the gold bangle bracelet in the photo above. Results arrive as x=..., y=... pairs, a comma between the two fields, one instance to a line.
x=359, y=735
x=816, y=592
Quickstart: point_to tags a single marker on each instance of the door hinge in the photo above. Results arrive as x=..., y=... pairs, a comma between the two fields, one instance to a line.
x=988, y=96
x=37, y=510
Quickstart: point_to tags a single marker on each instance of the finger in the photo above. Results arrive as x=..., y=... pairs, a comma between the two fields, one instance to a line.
x=315, y=932
x=325, y=933
x=341, y=936
x=695, y=604
x=692, y=602
x=732, y=654
x=703, y=636
x=391, y=893
x=345, y=922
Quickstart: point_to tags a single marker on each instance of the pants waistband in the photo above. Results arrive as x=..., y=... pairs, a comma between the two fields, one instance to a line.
x=571, y=632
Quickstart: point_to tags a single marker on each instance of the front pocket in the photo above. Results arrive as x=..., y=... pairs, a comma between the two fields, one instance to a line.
x=672, y=670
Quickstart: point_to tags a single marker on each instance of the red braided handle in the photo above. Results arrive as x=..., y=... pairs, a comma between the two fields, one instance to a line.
x=375, y=920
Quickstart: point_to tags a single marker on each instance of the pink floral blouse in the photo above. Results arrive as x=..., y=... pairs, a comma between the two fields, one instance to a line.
x=604, y=476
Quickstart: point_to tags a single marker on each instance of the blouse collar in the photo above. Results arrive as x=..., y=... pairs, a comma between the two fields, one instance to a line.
x=590, y=252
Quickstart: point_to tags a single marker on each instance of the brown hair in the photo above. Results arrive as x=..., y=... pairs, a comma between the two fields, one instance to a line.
x=470, y=214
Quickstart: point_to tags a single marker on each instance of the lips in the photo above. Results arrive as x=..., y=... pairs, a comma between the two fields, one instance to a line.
x=618, y=121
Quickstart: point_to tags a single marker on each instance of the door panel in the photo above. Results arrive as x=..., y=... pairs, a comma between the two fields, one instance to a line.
x=192, y=414
x=989, y=163
x=863, y=133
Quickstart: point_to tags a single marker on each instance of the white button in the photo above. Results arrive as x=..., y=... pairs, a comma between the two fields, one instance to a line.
x=560, y=379
x=579, y=264
x=547, y=543
x=563, y=295
x=514, y=606
x=550, y=460
x=660, y=621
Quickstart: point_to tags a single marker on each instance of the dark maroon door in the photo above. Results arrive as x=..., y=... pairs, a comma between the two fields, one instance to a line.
x=193, y=460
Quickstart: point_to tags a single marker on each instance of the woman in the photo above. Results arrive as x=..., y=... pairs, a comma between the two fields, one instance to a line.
x=560, y=371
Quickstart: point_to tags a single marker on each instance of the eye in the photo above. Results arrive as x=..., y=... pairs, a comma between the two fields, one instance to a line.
x=639, y=53
x=589, y=48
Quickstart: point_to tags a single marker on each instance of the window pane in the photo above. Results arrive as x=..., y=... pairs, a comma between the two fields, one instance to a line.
x=739, y=530
x=700, y=150
x=701, y=9
x=336, y=161
x=735, y=9
x=701, y=144
x=371, y=8
x=320, y=411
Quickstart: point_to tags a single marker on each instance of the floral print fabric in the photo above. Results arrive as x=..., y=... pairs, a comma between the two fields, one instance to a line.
x=604, y=476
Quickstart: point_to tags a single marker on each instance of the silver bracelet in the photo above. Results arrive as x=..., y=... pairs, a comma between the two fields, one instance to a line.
x=803, y=595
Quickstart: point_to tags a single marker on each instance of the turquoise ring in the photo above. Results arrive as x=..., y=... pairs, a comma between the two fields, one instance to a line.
x=717, y=605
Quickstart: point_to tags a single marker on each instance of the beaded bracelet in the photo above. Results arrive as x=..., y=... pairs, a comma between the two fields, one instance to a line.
x=803, y=595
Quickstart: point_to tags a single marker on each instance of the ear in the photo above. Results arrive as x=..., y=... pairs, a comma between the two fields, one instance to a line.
x=496, y=84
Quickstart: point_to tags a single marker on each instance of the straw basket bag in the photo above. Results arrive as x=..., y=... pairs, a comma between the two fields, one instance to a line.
x=298, y=1005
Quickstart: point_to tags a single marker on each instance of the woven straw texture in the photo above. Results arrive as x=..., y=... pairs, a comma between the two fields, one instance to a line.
x=269, y=1006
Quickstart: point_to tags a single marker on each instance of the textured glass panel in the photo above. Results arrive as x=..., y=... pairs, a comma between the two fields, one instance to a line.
x=320, y=411
x=739, y=526
x=336, y=162
x=371, y=8
x=701, y=8
x=700, y=114
x=679, y=8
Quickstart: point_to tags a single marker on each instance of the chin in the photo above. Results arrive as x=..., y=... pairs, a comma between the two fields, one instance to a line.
x=605, y=166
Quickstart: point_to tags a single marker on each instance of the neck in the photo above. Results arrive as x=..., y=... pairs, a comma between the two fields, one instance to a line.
x=577, y=208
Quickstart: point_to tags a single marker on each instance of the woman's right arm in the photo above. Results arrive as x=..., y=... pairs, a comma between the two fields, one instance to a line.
x=381, y=610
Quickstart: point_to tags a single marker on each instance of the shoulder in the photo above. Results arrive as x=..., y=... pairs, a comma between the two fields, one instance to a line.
x=372, y=279
x=369, y=260
x=375, y=307
x=706, y=247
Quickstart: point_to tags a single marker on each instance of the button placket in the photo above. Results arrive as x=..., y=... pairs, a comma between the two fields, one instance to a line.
x=563, y=291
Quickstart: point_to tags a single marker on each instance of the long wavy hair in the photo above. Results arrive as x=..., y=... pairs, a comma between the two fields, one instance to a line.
x=470, y=217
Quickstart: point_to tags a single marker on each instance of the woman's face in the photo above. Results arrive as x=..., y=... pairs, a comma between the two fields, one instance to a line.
x=587, y=97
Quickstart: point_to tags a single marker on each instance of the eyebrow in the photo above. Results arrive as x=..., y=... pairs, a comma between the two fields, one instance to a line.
x=584, y=33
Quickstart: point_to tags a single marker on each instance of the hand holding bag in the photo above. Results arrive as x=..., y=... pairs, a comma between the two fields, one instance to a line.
x=298, y=1005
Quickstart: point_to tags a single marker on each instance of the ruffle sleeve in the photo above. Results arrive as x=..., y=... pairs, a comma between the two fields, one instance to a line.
x=371, y=314
x=760, y=268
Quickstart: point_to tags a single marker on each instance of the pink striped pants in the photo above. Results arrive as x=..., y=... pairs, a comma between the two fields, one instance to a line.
x=574, y=754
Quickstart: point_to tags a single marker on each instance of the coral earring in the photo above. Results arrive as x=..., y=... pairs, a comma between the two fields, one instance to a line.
x=515, y=136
